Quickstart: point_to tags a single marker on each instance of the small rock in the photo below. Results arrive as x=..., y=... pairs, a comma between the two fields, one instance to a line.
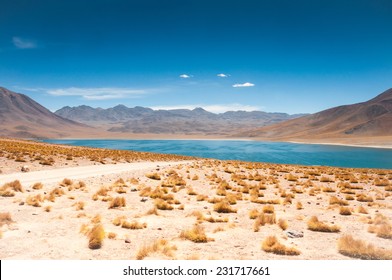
x=21, y=203
x=25, y=168
x=134, y=190
x=294, y=234
x=159, y=228
x=127, y=240
x=143, y=199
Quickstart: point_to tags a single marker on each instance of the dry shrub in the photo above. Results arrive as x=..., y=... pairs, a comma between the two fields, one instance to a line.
x=196, y=234
x=153, y=211
x=162, y=204
x=38, y=186
x=5, y=219
x=362, y=210
x=34, y=200
x=112, y=235
x=315, y=225
x=153, y=176
x=48, y=208
x=79, y=205
x=357, y=248
x=299, y=206
x=159, y=246
x=336, y=201
x=96, y=236
x=117, y=202
x=9, y=189
x=224, y=207
x=381, y=226
x=133, y=225
x=345, y=211
x=253, y=214
x=283, y=224
x=263, y=219
x=272, y=245
x=268, y=209
x=66, y=182
x=364, y=198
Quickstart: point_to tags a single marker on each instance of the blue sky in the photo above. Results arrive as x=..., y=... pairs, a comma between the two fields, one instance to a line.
x=277, y=56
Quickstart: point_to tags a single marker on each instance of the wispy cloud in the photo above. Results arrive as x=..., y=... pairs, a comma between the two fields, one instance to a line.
x=99, y=93
x=223, y=75
x=185, y=76
x=244, y=85
x=214, y=108
x=22, y=43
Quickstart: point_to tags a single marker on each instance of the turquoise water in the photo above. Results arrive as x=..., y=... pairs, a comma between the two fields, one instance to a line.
x=274, y=152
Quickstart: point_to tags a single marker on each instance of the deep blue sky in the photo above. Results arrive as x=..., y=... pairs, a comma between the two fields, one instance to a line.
x=295, y=56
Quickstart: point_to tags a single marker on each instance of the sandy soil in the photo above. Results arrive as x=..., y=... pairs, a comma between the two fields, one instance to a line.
x=56, y=224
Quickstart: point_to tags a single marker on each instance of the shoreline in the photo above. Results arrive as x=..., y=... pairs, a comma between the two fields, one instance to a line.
x=373, y=146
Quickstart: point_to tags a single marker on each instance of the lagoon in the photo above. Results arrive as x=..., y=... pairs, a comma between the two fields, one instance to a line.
x=255, y=151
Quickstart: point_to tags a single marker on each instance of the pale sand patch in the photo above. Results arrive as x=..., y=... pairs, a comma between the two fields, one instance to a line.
x=80, y=172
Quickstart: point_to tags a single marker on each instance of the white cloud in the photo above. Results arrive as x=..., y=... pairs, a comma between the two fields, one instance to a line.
x=223, y=75
x=214, y=108
x=98, y=93
x=22, y=43
x=244, y=85
x=185, y=76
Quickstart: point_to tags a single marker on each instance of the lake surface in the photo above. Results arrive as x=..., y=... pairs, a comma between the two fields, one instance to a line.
x=273, y=152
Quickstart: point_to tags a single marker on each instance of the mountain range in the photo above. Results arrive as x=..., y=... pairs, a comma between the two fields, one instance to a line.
x=367, y=122
x=141, y=120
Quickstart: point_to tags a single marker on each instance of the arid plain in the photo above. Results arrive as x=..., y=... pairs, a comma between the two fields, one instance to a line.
x=84, y=203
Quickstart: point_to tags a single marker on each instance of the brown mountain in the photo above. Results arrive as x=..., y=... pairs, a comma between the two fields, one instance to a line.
x=372, y=118
x=139, y=120
x=20, y=116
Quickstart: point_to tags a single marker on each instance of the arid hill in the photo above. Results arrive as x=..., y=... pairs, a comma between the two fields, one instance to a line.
x=141, y=120
x=370, y=119
x=20, y=116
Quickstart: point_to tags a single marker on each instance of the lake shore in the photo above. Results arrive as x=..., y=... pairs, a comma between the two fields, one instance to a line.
x=150, y=208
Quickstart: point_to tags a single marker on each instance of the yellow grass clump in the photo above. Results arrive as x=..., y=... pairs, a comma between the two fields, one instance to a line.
x=133, y=225
x=315, y=225
x=345, y=211
x=96, y=236
x=159, y=246
x=162, y=204
x=271, y=244
x=117, y=202
x=224, y=207
x=196, y=234
x=359, y=249
x=5, y=219
x=37, y=186
x=153, y=176
x=283, y=224
x=34, y=200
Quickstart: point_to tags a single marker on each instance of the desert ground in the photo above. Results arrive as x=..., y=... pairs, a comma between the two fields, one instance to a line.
x=84, y=203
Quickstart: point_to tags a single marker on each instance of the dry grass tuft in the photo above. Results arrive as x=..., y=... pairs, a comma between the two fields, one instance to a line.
x=153, y=176
x=224, y=207
x=34, y=200
x=359, y=249
x=336, y=201
x=79, y=205
x=117, y=202
x=196, y=234
x=345, y=211
x=283, y=224
x=162, y=204
x=315, y=225
x=66, y=182
x=133, y=225
x=37, y=186
x=161, y=246
x=9, y=189
x=272, y=245
x=96, y=236
x=362, y=210
x=5, y=219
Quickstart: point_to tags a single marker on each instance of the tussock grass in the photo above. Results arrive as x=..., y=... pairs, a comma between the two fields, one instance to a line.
x=79, y=205
x=96, y=236
x=117, y=202
x=271, y=244
x=153, y=176
x=5, y=219
x=34, y=200
x=159, y=246
x=283, y=224
x=362, y=210
x=196, y=234
x=315, y=225
x=133, y=225
x=268, y=209
x=9, y=189
x=224, y=207
x=253, y=214
x=356, y=248
x=37, y=186
x=345, y=211
x=336, y=201
x=66, y=182
x=162, y=204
